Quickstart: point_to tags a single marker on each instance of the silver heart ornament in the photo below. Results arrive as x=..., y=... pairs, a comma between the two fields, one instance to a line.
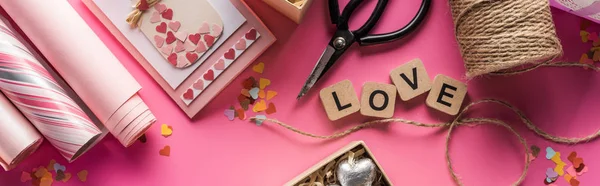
x=358, y=173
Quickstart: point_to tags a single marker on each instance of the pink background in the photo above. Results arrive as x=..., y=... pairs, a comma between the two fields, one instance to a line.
x=210, y=150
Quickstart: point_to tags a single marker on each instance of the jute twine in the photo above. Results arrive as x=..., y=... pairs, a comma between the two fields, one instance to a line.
x=134, y=17
x=498, y=36
x=458, y=121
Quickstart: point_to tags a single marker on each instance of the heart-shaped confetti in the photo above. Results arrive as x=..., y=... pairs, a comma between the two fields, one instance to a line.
x=593, y=36
x=179, y=47
x=168, y=14
x=67, y=177
x=251, y=34
x=143, y=6
x=571, y=171
x=584, y=170
x=568, y=177
x=264, y=83
x=201, y=47
x=259, y=68
x=550, y=173
x=249, y=83
x=172, y=59
x=161, y=28
x=209, y=40
x=577, y=162
x=245, y=104
x=220, y=65
x=167, y=49
x=174, y=25
x=50, y=166
x=60, y=175
x=209, y=75
x=194, y=38
x=191, y=57
x=230, y=54
x=535, y=150
x=40, y=172
x=159, y=41
x=246, y=92
x=181, y=35
x=82, y=175
x=160, y=7
x=241, y=114
x=241, y=44
x=261, y=94
x=217, y=30
x=189, y=46
x=230, y=114
x=550, y=152
x=584, y=36
x=260, y=106
x=182, y=62
x=271, y=109
x=204, y=28
x=25, y=176
x=260, y=119
x=166, y=130
x=198, y=85
x=271, y=94
x=165, y=151
x=170, y=37
x=560, y=169
x=254, y=92
x=188, y=95
x=155, y=18
x=59, y=167
x=574, y=182
x=45, y=181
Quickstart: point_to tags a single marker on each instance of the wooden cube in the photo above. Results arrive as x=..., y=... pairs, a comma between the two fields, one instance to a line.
x=339, y=100
x=447, y=94
x=378, y=100
x=411, y=79
x=356, y=147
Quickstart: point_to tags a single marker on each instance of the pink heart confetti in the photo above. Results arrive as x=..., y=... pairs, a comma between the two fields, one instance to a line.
x=160, y=41
x=241, y=44
x=195, y=38
x=182, y=62
x=155, y=18
x=584, y=170
x=167, y=49
x=181, y=35
x=230, y=114
x=201, y=48
x=174, y=25
x=189, y=46
x=220, y=65
x=217, y=30
x=260, y=119
x=160, y=7
x=571, y=171
x=199, y=84
x=204, y=28
x=180, y=47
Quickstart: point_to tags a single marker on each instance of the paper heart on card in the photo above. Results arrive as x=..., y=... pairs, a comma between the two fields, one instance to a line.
x=181, y=20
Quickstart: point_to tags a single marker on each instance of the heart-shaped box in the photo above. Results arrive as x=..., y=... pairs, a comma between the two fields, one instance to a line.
x=293, y=9
x=361, y=152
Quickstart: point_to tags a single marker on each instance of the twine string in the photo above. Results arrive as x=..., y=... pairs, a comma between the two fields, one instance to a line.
x=459, y=120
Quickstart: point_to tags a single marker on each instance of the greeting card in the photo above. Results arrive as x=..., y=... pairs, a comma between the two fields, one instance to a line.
x=192, y=49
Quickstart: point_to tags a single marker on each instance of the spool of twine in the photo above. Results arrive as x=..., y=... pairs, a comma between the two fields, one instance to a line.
x=503, y=36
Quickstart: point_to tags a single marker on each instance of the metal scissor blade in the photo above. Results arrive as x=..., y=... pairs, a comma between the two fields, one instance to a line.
x=317, y=71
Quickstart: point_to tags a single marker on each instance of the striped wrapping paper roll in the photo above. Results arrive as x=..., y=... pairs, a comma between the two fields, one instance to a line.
x=33, y=90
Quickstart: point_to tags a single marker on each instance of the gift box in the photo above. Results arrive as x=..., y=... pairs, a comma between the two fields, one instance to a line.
x=293, y=9
x=326, y=171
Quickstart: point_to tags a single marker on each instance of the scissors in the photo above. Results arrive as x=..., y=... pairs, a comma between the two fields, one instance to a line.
x=344, y=38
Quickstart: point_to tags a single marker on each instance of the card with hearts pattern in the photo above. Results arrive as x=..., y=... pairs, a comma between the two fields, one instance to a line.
x=220, y=66
x=182, y=31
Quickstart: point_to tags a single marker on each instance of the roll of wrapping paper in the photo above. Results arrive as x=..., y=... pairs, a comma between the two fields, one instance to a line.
x=18, y=138
x=40, y=98
x=85, y=63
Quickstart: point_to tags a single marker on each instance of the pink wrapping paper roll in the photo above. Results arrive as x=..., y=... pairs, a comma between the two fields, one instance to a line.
x=18, y=138
x=41, y=99
x=86, y=64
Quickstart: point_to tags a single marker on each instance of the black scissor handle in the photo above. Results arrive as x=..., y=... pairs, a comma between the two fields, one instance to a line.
x=361, y=34
x=398, y=34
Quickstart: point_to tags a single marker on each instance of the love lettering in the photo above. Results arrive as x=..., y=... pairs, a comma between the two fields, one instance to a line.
x=379, y=99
